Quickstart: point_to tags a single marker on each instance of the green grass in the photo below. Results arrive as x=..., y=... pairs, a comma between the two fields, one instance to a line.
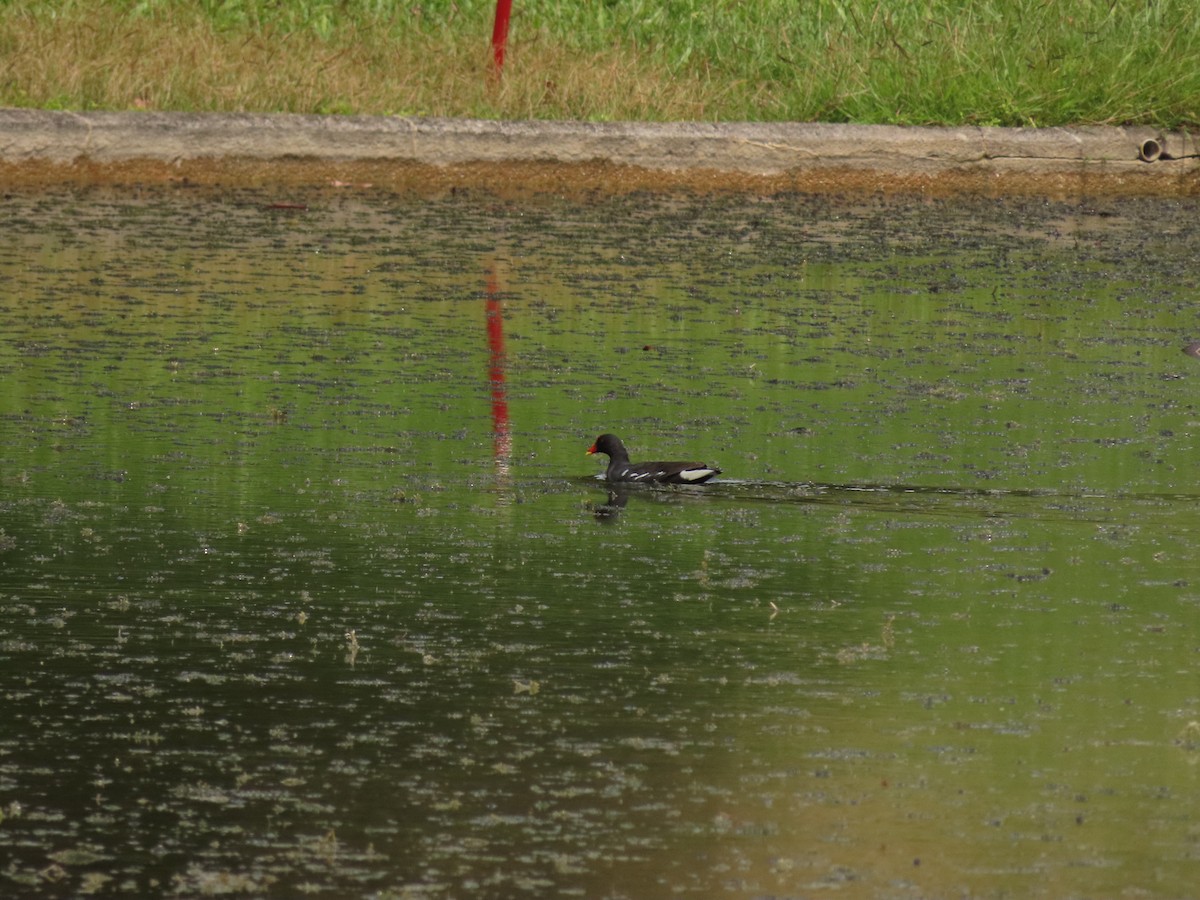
x=991, y=62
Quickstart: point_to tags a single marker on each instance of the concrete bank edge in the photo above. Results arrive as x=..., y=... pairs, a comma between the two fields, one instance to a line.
x=753, y=149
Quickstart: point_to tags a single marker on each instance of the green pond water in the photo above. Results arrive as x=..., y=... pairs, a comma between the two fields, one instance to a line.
x=307, y=586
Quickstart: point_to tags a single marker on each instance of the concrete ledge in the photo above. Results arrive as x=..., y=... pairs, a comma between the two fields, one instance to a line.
x=1137, y=159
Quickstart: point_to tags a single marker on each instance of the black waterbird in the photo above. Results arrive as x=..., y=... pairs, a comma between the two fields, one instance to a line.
x=621, y=469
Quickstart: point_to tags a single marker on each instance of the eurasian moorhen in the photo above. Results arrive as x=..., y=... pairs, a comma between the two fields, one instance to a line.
x=621, y=469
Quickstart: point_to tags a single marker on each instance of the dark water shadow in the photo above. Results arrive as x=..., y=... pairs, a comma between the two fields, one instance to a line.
x=619, y=496
x=1036, y=504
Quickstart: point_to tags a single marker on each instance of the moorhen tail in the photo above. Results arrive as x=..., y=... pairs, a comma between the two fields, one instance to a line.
x=621, y=469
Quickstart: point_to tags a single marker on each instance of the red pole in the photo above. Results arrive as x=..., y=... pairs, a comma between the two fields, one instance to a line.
x=500, y=33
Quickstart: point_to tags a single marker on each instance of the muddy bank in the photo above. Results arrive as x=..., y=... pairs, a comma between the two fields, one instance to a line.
x=45, y=148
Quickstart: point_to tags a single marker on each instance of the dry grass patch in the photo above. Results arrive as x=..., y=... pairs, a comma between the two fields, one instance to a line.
x=183, y=62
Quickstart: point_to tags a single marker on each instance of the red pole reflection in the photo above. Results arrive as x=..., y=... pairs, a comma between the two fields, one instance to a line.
x=501, y=437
